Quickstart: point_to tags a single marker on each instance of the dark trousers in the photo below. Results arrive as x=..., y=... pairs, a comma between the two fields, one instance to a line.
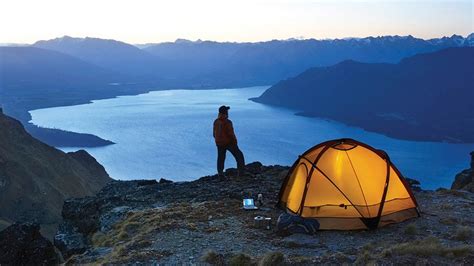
x=236, y=152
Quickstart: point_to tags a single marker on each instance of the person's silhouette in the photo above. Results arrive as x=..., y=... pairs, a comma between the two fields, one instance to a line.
x=226, y=141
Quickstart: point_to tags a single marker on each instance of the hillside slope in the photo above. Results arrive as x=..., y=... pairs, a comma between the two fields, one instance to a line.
x=424, y=97
x=35, y=178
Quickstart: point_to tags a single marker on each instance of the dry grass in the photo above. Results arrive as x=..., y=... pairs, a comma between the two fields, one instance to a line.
x=213, y=258
x=369, y=246
x=411, y=229
x=142, y=224
x=136, y=231
x=364, y=258
x=272, y=259
x=463, y=233
x=301, y=260
x=428, y=247
x=240, y=259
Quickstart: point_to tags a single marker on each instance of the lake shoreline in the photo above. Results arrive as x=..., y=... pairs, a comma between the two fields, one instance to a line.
x=76, y=139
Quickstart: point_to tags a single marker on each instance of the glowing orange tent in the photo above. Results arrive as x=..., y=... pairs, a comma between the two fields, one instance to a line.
x=346, y=184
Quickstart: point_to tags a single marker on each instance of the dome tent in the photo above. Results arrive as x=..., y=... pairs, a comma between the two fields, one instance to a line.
x=345, y=185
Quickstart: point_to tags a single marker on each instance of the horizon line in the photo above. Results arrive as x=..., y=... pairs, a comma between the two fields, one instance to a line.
x=300, y=38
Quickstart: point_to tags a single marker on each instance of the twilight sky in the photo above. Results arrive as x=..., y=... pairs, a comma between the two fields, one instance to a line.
x=144, y=21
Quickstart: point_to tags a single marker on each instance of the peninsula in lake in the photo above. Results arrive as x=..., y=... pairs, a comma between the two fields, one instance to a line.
x=424, y=97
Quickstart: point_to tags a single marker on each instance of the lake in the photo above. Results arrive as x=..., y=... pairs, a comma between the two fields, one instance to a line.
x=168, y=134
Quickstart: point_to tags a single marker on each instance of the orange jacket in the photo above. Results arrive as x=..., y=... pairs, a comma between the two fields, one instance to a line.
x=224, y=132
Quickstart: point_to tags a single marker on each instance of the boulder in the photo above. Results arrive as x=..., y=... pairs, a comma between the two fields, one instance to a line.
x=69, y=241
x=254, y=168
x=83, y=214
x=112, y=217
x=80, y=219
x=23, y=244
x=165, y=181
x=465, y=179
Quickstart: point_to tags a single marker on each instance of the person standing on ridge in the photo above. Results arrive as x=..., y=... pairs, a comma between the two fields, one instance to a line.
x=226, y=141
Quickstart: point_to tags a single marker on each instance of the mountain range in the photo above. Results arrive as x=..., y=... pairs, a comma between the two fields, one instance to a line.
x=219, y=64
x=425, y=97
x=263, y=63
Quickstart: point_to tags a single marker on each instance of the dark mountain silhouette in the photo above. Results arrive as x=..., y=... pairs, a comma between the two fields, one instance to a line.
x=35, y=178
x=426, y=97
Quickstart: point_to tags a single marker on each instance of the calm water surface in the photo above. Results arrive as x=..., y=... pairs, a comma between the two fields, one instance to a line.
x=169, y=134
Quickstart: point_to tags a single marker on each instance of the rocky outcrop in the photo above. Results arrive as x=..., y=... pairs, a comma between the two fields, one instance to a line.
x=22, y=244
x=85, y=217
x=35, y=178
x=465, y=179
x=149, y=222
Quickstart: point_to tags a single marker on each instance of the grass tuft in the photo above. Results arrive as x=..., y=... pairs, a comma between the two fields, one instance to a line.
x=212, y=257
x=363, y=258
x=411, y=229
x=428, y=247
x=272, y=259
x=240, y=259
x=463, y=233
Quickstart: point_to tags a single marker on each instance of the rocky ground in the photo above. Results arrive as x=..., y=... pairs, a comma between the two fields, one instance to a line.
x=22, y=244
x=149, y=222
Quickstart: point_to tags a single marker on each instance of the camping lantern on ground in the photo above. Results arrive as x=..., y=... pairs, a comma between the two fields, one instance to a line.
x=259, y=222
